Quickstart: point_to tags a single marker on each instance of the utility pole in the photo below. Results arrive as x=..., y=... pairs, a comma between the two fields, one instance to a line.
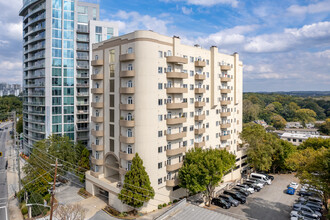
x=53, y=194
x=18, y=158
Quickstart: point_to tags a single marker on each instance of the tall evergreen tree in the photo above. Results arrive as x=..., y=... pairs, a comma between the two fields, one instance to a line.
x=137, y=188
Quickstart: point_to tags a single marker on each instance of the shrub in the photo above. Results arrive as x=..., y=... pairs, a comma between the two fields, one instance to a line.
x=47, y=198
x=36, y=198
x=169, y=203
x=175, y=201
x=121, y=215
x=164, y=205
x=24, y=210
x=160, y=206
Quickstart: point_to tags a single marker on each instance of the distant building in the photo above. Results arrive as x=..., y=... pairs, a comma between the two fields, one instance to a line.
x=261, y=122
x=312, y=131
x=298, y=138
x=10, y=89
x=294, y=124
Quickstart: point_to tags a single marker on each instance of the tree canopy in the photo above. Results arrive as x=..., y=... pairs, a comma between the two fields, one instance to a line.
x=203, y=170
x=137, y=188
x=9, y=104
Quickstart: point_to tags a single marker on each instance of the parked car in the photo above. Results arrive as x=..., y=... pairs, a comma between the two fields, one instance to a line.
x=290, y=191
x=221, y=203
x=242, y=191
x=261, y=177
x=256, y=182
x=300, y=207
x=309, y=192
x=312, y=205
x=294, y=185
x=259, y=181
x=6, y=127
x=305, y=193
x=246, y=187
x=303, y=215
x=254, y=186
x=310, y=199
x=229, y=199
x=236, y=195
x=267, y=175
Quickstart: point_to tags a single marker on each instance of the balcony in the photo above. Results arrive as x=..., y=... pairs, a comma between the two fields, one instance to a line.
x=127, y=107
x=226, y=125
x=97, y=147
x=176, y=105
x=82, y=94
x=225, y=79
x=98, y=76
x=199, y=117
x=200, y=63
x=176, y=75
x=225, y=114
x=97, y=90
x=199, y=104
x=225, y=90
x=127, y=73
x=98, y=133
x=225, y=67
x=173, y=152
x=82, y=112
x=199, y=90
x=126, y=156
x=174, y=121
x=127, y=57
x=83, y=85
x=174, y=167
x=127, y=123
x=172, y=137
x=225, y=102
x=199, y=131
x=199, y=144
x=127, y=90
x=127, y=140
x=172, y=182
x=97, y=119
x=225, y=137
x=200, y=77
x=82, y=120
x=176, y=60
x=174, y=90
x=97, y=161
x=97, y=104
x=97, y=63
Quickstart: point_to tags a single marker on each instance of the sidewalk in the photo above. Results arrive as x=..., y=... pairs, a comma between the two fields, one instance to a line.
x=14, y=211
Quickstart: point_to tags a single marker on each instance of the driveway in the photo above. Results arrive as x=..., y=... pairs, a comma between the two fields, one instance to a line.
x=271, y=203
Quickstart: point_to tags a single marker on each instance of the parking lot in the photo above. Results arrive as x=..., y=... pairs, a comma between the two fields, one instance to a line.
x=271, y=203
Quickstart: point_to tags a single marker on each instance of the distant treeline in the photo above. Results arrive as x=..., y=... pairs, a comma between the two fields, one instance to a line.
x=277, y=109
x=301, y=93
x=9, y=104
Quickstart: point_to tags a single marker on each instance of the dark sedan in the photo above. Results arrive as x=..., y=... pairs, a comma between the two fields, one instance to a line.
x=221, y=203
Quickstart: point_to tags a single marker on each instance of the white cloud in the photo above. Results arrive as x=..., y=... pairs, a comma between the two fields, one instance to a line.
x=186, y=11
x=307, y=36
x=208, y=3
x=310, y=9
x=11, y=71
x=132, y=21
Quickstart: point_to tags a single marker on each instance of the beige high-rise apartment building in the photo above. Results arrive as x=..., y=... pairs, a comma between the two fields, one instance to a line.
x=154, y=96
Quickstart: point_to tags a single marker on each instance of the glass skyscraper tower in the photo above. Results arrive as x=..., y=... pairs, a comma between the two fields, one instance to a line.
x=57, y=40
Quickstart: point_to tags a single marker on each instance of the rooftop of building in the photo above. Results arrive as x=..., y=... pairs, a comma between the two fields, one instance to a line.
x=302, y=136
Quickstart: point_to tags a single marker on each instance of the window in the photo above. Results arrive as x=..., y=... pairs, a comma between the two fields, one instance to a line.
x=191, y=73
x=160, y=165
x=160, y=149
x=129, y=133
x=160, y=86
x=207, y=125
x=207, y=137
x=207, y=112
x=160, y=181
x=191, y=100
x=207, y=87
x=191, y=141
x=109, y=33
x=191, y=114
x=129, y=149
x=160, y=101
x=191, y=87
x=130, y=50
x=160, y=70
x=130, y=67
x=160, y=133
x=160, y=54
x=191, y=59
x=94, y=14
x=160, y=117
x=98, y=29
x=129, y=100
x=129, y=84
x=191, y=128
x=207, y=62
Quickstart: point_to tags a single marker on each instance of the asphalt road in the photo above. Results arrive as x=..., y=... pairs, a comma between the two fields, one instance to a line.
x=271, y=203
x=3, y=175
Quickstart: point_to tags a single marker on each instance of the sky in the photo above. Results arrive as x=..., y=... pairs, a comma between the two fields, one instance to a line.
x=284, y=44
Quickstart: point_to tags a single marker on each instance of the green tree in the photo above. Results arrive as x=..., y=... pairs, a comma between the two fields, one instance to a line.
x=36, y=198
x=203, y=170
x=282, y=150
x=278, y=108
x=19, y=125
x=278, y=121
x=313, y=167
x=305, y=116
x=137, y=188
x=83, y=164
x=324, y=128
x=250, y=111
x=259, y=148
x=315, y=143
